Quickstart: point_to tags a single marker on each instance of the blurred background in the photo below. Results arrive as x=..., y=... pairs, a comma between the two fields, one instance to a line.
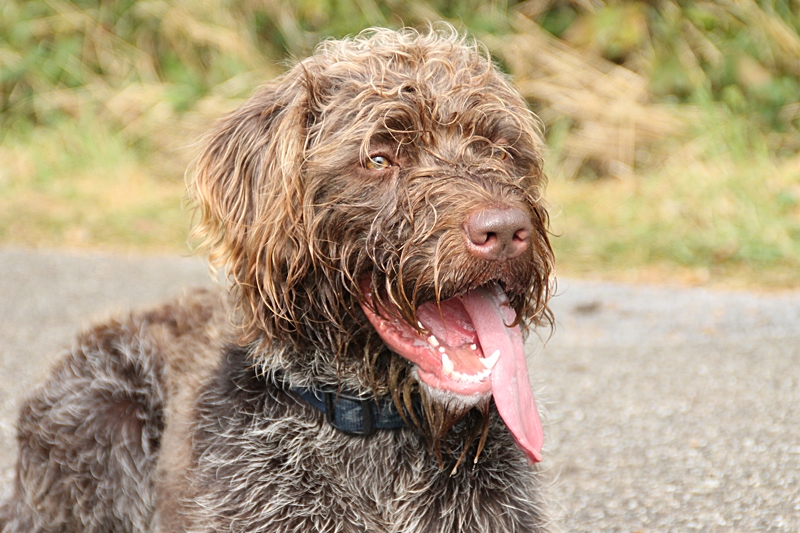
x=673, y=126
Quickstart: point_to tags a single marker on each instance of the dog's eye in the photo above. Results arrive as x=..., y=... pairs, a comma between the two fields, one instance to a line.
x=378, y=162
x=499, y=153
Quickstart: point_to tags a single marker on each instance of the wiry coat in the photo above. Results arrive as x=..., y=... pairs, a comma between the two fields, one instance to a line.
x=182, y=418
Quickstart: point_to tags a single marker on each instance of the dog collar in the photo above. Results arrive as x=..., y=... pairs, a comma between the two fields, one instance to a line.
x=351, y=413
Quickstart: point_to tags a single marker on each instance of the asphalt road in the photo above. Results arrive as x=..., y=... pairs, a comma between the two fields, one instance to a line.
x=667, y=409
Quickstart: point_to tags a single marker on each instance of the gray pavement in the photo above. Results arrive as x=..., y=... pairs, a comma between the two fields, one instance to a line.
x=668, y=409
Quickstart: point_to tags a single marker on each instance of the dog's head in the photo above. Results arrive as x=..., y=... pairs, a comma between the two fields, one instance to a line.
x=379, y=208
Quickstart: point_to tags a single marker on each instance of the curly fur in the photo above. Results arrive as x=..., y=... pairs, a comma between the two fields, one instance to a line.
x=174, y=419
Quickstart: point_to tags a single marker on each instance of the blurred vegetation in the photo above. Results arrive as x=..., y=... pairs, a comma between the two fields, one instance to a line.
x=674, y=126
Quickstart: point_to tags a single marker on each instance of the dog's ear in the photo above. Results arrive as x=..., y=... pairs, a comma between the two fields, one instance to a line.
x=248, y=192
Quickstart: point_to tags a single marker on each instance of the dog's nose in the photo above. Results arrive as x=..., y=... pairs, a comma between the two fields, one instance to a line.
x=497, y=234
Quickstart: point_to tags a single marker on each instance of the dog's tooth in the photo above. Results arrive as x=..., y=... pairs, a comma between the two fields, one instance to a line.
x=447, y=365
x=490, y=361
x=473, y=346
x=420, y=325
x=441, y=349
x=458, y=376
x=433, y=340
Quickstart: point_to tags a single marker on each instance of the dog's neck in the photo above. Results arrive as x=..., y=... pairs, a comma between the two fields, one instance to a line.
x=352, y=410
x=351, y=413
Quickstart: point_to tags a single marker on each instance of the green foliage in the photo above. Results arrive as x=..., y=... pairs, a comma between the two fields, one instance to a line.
x=741, y=54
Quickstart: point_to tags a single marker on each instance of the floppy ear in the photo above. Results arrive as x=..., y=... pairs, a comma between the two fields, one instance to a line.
x=248, y=192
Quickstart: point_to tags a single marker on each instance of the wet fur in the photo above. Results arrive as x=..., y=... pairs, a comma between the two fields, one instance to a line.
x=179, y=418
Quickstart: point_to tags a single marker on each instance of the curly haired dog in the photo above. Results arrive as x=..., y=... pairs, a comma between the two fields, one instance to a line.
x=378, y=211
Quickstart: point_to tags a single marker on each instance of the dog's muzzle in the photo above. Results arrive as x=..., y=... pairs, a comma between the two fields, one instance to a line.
x=468, y=347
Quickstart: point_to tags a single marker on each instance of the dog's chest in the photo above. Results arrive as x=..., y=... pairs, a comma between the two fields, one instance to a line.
x=265, y=461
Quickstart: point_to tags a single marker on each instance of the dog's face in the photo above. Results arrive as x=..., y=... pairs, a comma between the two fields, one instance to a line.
x=382, y=200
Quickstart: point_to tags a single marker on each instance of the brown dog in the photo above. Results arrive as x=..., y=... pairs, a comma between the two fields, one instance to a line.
x=378, y=213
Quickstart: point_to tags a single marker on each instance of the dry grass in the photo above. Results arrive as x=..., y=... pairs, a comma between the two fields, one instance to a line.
x=610, y=121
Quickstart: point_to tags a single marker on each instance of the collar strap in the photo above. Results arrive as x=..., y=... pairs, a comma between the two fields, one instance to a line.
x=351, y=413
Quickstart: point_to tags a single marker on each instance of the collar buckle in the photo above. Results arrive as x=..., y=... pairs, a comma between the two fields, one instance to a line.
x=367, y=419
x=350, y=412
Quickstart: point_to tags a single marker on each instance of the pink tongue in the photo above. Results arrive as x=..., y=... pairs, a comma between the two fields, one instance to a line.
x=490, y=311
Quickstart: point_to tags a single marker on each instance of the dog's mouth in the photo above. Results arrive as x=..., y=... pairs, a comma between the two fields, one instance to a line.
x=464, y=347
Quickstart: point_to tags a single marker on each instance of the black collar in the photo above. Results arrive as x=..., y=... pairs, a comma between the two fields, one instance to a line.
x=351, y=413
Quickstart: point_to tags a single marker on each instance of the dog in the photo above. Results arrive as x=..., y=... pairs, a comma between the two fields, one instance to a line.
x=378, y=213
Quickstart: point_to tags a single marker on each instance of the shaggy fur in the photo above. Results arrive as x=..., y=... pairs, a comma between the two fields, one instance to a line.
x=352, y=173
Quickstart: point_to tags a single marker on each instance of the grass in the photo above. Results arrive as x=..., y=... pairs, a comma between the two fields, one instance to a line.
x=723, y=222
x=719, y=210
x=674, y=127
x=73, y=185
